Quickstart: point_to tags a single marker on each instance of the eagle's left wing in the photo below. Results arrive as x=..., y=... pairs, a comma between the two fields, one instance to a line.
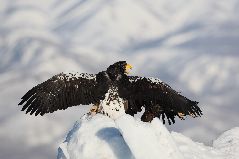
x=159, y=100
x=60, y=92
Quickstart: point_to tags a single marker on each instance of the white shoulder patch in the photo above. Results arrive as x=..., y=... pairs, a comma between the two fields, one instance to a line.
x=154, y=80
x=157, y=81
x=150, y=79
x=75, y=75
x=135, y=79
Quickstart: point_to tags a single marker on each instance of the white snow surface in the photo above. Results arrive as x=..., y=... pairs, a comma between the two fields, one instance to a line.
x=129, y=138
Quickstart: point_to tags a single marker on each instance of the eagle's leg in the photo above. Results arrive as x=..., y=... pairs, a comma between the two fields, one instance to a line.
x=128, y=110
x=147, y=116
x=151, y=112
x=126, y=105
x=95, y=109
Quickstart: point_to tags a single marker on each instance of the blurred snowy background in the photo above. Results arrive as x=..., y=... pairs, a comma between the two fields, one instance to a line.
x=191, y=45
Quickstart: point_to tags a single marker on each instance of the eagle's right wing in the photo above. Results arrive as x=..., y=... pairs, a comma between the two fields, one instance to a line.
x=60, y=92
x=159, y=100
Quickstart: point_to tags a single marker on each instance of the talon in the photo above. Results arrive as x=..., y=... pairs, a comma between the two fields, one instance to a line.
x=181, y=115
x=192, y=115
x=94, y=109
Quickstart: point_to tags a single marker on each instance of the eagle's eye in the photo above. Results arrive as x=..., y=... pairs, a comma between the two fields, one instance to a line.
x=128, y=67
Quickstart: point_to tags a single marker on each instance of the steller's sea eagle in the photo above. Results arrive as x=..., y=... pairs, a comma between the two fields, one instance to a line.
x=110, y=91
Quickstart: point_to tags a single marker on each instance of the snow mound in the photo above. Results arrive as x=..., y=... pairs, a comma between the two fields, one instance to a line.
x=195, y=150
x=94, y=138
x=228, y=143
x=128, y=138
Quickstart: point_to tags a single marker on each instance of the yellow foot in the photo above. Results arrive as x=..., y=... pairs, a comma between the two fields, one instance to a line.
x=181, y=116
x=94, y=109
x=192, y=115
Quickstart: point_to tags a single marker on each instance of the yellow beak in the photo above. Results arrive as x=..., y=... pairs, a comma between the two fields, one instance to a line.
x=128, y=67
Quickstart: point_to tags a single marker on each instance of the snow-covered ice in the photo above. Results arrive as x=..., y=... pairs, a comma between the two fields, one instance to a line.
x=129, y=138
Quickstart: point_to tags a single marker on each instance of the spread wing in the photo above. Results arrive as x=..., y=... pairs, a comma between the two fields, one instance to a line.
x=159, y=100
x=60, y=92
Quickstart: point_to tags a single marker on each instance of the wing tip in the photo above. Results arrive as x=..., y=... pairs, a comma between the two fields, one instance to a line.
x=20, y=103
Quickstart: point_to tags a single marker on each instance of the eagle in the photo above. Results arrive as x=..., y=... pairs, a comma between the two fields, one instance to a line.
x=110, y=91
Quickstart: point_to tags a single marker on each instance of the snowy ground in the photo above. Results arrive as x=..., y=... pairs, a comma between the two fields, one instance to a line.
x=129, y=138
x=191, y=45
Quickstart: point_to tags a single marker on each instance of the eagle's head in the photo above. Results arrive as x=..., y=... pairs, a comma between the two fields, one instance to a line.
x=118, y=68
